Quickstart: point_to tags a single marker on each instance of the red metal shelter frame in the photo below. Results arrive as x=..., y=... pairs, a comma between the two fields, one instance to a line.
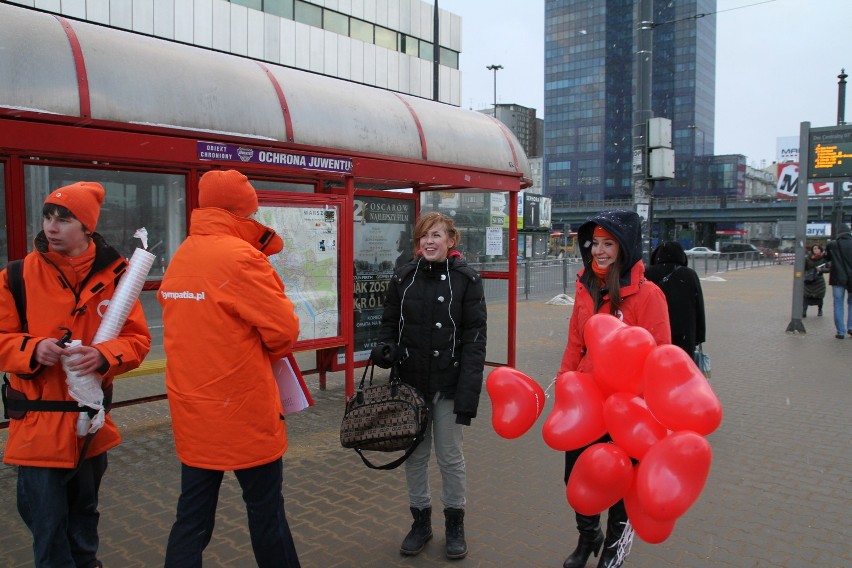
x=32, y=137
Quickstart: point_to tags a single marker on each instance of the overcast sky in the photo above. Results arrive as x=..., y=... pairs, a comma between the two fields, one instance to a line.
x=777, y=63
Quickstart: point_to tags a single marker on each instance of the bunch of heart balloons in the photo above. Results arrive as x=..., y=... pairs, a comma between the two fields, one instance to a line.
x=652, y=400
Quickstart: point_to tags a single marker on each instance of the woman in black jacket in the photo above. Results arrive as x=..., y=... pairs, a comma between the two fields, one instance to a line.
x=814, y=281
x=434, y=327
x=670, y=271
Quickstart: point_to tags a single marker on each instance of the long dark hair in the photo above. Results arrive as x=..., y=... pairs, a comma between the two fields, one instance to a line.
x=611, y=286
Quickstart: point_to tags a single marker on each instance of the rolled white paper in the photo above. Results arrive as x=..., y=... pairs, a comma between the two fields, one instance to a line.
x=126, y=293
x=86, y=389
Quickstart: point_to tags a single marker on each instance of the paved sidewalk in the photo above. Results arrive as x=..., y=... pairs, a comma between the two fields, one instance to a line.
x=778, y=493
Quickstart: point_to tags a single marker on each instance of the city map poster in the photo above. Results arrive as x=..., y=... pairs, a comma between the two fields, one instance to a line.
x=382, y=241
x=308, y=264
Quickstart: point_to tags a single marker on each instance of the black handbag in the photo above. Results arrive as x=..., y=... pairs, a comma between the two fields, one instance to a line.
x=811, y=276
x=389, y=417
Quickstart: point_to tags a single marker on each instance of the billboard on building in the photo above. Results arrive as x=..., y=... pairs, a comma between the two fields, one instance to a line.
x=536, y=213
x=787, y=149
x=788, y=182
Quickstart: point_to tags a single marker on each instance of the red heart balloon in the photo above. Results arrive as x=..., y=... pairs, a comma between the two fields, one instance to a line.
x=649, y=529
x=576, y=419
x=671, y=476
x=618, y=366
x=517, y=401
x=677, y=392
x=597, y=329
x=631, y=425
x=601, y=477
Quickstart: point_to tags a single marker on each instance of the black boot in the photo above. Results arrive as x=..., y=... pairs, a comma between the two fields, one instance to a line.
x=454, y=521
x=591, y=539
x=420, y=533
x=819, y=312
x=614, y=529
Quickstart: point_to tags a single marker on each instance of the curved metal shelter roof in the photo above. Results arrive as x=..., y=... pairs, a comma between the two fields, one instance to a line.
x=49, y=64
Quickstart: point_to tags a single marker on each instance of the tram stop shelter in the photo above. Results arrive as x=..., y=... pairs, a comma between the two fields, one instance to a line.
x=342, y=170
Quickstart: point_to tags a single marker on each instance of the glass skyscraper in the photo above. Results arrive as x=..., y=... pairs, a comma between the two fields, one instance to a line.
x=590, y=78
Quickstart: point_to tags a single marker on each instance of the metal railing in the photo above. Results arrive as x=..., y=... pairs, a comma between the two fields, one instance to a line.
x=544, y=279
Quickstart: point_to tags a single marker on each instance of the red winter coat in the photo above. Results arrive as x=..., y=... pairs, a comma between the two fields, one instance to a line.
x=225, y=319
x=642, y=304
x=48, y=439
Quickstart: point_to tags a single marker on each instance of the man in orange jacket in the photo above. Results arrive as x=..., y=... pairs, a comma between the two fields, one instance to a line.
x=226, y=319
x=67, y=280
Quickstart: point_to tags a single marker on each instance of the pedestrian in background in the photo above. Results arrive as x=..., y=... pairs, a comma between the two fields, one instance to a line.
x=66, y=281
x=226, y=319
x=434, y=330
x=671, y=272
x=814, y=289
x=612, y=281
x=839, y=252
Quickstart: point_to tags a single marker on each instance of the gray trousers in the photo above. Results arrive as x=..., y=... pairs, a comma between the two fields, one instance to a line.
x=448, y=437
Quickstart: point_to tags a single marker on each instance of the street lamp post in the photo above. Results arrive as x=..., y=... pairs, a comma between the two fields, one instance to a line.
x=495, y=68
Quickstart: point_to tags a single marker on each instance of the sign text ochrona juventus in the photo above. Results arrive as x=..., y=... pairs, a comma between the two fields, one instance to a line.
x=218, y=152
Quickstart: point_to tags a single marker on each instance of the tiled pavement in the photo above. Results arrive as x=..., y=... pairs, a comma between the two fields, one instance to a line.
x=779, y=493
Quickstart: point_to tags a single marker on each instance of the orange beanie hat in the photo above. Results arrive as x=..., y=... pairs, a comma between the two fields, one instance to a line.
x=229, y=190
x=602, y=233
x=83, y=199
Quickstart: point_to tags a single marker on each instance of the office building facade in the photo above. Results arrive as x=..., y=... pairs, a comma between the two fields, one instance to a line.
x=387, y=44
x=589, y=98
x=523, y=123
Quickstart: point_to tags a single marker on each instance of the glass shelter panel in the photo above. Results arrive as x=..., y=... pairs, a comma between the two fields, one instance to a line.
x=496, y=299
x=482, y=218
x=134, y=200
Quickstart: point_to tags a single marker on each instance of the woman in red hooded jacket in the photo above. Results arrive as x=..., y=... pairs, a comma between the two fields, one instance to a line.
x=612, y=281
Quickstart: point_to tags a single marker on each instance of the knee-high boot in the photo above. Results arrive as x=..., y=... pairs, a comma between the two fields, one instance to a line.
x=615, y=524
x=591, y=539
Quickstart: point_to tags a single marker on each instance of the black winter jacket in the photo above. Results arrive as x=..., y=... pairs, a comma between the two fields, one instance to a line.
x=435, y=318
x=670, y=271
x=839, y=252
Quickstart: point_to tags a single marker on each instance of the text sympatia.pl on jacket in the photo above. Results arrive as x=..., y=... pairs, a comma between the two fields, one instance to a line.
x=185, y=295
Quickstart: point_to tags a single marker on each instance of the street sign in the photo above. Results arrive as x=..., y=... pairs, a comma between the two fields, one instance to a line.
x=830, y=152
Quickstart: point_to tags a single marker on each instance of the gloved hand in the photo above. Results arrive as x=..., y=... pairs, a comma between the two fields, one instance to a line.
x=463, y=419
x=384, y=355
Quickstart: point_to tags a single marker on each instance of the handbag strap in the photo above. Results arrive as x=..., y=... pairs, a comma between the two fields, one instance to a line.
x=395, y=463
x=371, y=367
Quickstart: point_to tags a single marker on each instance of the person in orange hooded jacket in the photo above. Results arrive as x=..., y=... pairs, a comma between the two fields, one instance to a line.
x=226, y=319
x=612, y=281
x=67, y=280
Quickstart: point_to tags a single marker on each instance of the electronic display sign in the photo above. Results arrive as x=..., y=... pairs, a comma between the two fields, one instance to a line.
x=830, y=152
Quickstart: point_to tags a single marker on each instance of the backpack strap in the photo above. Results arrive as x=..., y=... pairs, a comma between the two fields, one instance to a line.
x=15, y=273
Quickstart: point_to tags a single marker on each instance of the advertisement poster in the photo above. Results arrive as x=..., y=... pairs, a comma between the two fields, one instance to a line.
x=383, y=240
x=788, y=183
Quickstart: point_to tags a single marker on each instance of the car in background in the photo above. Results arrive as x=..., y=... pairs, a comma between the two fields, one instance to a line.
x=746, y=250
x=702, y=251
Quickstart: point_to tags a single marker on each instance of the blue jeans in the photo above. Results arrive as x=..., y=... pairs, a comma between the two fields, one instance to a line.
x=63, y=517
x=448, y=439
x=271, y=540
x=838, y=292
